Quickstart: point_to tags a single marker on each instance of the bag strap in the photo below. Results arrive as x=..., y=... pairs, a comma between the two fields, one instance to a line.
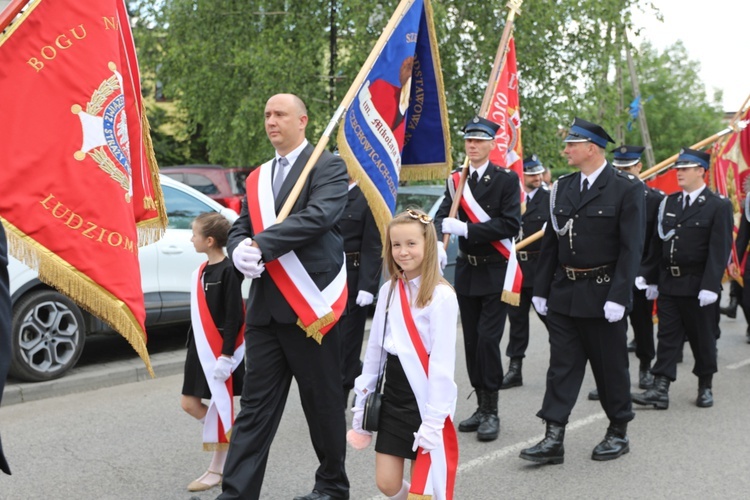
x=379, y=384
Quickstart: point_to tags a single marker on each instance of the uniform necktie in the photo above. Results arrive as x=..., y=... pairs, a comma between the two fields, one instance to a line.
x=473, y=179
x=687, y=202
x=585, y=187
x=279, y=179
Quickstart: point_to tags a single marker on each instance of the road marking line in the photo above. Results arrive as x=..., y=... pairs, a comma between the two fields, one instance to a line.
x=739, y=365
x=503, y=452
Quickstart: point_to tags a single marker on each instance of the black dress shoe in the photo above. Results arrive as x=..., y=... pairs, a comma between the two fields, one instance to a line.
x=513, y=378
x=705, y=396
x=315, y=495
x=657, y=395
x=594, y=395
x=614, y=445
x=549, y=450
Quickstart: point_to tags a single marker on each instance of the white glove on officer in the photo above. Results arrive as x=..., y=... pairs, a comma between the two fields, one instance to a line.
x=357, y=421
x=222, y=368
x=442, y=256
x=455, y=226
x=640, y=283
x=246, y=259
x=652, y=292
x=613, y=311
x=430, y=434
x=364, y=298
x=540, y=304
x=707, y=297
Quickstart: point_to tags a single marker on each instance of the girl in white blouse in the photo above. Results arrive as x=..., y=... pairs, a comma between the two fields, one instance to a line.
x=413, y=339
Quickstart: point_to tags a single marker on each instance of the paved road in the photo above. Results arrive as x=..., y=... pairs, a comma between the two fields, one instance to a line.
x=132, y=440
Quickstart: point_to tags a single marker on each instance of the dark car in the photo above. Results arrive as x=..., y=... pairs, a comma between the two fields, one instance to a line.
x=222, y=184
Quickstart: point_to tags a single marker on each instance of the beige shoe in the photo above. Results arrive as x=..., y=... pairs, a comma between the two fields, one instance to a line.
x=208, y=480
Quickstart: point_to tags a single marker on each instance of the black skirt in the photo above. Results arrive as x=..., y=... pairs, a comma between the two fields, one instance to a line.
x=194, y=381
x=399, y=413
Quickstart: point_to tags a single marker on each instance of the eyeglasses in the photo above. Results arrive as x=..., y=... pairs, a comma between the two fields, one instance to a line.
x=423, y=218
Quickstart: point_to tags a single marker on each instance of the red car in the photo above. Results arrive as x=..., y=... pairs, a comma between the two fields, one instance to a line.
x=223, y=184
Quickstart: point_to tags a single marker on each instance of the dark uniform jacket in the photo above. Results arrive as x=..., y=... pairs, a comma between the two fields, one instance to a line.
x=362, y=245
x=653, y=199
x=532, y=221
x=743, y=233
x=5, y=340
x=311, y=230
x=695, y=256
x=499, y=194
x=608, y=230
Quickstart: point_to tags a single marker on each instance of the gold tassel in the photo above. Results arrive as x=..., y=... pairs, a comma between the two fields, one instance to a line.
x=414, y=496
x=215, y=446
x=313, y=330
x=511, y=298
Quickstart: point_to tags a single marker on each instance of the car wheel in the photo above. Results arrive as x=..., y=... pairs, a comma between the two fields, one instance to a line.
x=47, y=336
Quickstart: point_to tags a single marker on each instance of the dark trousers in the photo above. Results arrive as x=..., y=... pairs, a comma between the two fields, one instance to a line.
x=641, y=319
x=518, y=317
x=573, y=341
x=678, y=317
x=352, y=328
x=483, y=320
x=274, y=354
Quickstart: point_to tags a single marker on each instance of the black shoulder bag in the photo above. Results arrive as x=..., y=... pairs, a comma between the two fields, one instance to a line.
x=371, y=415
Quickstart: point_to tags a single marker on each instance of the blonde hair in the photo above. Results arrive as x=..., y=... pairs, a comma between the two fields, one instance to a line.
x=430, y=275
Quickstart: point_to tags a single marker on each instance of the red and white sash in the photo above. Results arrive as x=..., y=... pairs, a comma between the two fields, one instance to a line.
x=219, y=419
x=507, y=247
x=435, y=472
x=317, y=310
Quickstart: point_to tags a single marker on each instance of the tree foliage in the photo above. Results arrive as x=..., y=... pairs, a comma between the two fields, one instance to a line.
x=220, y=60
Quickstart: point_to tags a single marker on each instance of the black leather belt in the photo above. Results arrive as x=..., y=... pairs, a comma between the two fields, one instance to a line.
x=477, y=260
x=353, y=258
x=524, y=255
x=601, y=273
x=678, y=271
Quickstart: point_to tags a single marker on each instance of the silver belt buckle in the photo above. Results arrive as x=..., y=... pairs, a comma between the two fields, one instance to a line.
x=571, y=274
x=675, y=271
x=472, y=260
x=522, y=255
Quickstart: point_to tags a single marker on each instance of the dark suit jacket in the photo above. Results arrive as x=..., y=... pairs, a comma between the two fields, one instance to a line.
x=608, y=229
x=361, y=235
x=499, y=194
x=311, y=230
x=5, y=322
x=532, y=221
x=702, y=240
x=653, y=199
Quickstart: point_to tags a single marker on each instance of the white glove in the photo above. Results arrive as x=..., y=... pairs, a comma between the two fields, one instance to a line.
x=707, y=297
x=455, y=226
x=223, y=368
x=652, y=292
x=357, y=421
x=430, y=434
x=613, y=311
x=540, y=304
x=640, y=283
x=246, y=259
x=442, y=256
x=364, y=298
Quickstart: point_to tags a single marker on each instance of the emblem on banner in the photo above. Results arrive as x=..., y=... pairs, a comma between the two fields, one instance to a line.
x=105, y=131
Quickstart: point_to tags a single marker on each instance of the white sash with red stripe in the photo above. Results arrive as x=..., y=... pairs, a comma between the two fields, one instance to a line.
x=219, y=419
x=317, y=310
x=507, y=247
x=435, y=472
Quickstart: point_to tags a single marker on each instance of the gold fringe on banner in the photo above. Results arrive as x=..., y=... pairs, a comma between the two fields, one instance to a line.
x=57, y=273
x=414, y=496
x=152, y=230
x=215, y=446
x=511, y=298
x=439, y=171
x=314, y=329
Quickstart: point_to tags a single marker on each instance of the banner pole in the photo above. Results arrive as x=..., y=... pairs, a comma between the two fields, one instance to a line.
x=497, y=69
x=10, y=12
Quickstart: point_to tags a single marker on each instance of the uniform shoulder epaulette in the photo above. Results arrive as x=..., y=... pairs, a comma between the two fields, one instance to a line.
x=544, y=187
x=565, y=175
x=722, y=196
x=629, y=177
x=506, y=170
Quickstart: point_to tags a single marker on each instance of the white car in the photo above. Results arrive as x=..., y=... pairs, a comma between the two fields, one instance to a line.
x=49, y=329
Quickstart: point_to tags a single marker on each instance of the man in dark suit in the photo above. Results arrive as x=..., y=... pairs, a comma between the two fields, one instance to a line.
x=480, y=267
x=591, y=250
x=364, y=250
x=532, y=221
x=685, y=264
x=277, y=348
x=5, y=322
x=742, y=241
x=628, y=160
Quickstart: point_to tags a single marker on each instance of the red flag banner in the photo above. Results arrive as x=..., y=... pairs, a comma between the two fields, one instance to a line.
x=80, y=182
x=505, y=110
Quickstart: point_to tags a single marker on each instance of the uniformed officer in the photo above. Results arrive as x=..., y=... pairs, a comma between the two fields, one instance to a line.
x=363, y=249
x=492, y=195
x=628, y=160
x=684, y=267
x=743, y=239
x=532, y=221
x=591, y=251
